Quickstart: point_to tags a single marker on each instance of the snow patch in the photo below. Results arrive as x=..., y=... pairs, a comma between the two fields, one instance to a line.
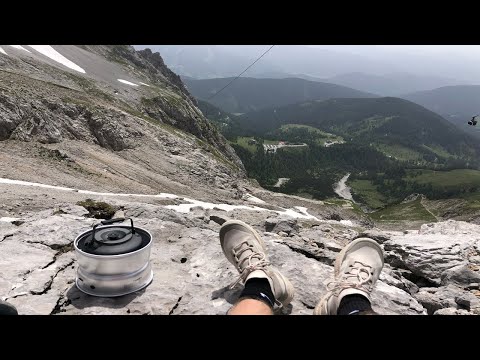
x=20, y=47
x=127, y=82
x=8, y=219
x=185, y=208
x=160, y=196
x=302, y=209
x=347, y=222
x=299, y=212
x=296, y=214
x=145, y=84
x=3, y=51
x=27, y=183
x=51, y=53
x=252, y=198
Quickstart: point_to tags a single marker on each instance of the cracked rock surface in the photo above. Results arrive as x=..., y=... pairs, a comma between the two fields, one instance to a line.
x=191, y=275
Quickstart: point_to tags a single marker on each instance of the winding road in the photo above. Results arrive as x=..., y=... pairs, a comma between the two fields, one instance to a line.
x=342, y=190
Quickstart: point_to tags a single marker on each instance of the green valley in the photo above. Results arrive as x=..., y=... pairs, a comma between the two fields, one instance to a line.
x=391, y=147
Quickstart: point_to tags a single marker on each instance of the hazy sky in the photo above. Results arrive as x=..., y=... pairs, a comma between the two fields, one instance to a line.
x=436, y=48
x=455, y=61
x=461, y=62
x=473, y=50
x=459, y=50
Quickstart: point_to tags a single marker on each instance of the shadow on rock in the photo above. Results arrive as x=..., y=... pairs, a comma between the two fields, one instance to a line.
x=81, y=300
x=287, y=310
x=230, y=295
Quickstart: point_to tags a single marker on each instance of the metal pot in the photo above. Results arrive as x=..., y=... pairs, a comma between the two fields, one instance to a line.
x=113, y=260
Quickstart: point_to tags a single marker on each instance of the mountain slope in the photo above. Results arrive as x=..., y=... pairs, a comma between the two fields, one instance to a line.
x=214, y=114
x=249, y=94
x=121, y=116
x=378, y=120
x=455, y=103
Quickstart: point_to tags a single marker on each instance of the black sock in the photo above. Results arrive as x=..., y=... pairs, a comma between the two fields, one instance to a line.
x=353, y=305
x=259, y=289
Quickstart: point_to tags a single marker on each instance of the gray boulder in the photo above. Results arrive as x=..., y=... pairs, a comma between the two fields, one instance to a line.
x=378, y=236
x=452, y=311
x=280, y=224
x=434, y=250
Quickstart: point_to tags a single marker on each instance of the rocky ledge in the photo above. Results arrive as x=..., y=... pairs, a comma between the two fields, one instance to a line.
x=434, y=270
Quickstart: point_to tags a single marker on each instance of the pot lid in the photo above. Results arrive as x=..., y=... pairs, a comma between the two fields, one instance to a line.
x=112, y=240
x=113, y=235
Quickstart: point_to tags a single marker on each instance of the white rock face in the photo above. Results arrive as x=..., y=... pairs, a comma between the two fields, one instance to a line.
x=451, y=311
x=435, y=249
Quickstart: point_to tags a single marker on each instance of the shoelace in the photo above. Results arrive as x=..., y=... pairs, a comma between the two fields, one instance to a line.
x=351, y=279
x=261, y=264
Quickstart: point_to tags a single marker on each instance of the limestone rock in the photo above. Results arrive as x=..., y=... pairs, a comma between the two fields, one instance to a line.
x=279, y=224
x=437, y=251
x=452, y=311
x=460, y=275
x=191, y=274
x=434, y=299
x=376, y=235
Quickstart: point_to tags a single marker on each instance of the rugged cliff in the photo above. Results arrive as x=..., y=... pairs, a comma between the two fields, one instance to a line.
x=113, y=101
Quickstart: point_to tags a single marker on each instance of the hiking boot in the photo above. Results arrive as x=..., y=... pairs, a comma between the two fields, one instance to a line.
x=245, y=249
x=7, y=309
x=357, y=269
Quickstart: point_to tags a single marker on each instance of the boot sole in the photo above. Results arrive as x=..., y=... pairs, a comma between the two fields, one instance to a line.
x=353, y=244
x=248, y=227
x=322, y=308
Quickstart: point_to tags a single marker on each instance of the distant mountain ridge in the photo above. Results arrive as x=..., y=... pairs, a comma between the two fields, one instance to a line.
x=250, y=94
x=392, y=84
x=457, y=104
